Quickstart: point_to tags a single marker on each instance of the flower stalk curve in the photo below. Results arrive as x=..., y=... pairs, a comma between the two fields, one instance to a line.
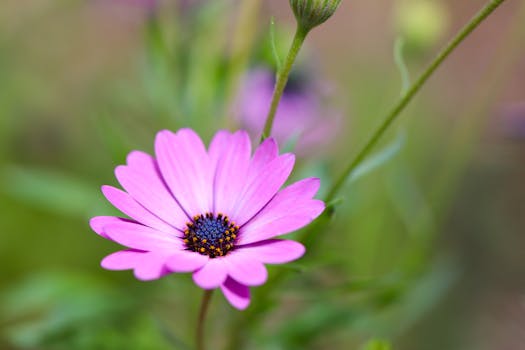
x=409, y=95
x=282, y=79
x=203, y=311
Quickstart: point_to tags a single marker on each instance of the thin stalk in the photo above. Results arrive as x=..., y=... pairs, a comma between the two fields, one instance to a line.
x=409, y=95
x=252, y=313
x=465, y=138
x=282, y=79
x=199, y=334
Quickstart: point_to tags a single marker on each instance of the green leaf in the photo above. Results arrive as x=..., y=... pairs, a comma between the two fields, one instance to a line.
x=52, y=191
x=378, y=159
x=415, y=300
x=275, y=53
x=401, y=65
x=305, y=326
x=409, y=200
x=377, y=344
x=69, y=310
x=112, y=135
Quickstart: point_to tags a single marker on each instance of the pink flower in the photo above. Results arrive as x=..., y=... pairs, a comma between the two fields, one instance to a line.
x=300, y=116
x=214, y=213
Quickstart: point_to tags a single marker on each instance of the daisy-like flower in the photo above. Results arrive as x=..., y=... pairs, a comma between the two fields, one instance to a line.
x=212, y=212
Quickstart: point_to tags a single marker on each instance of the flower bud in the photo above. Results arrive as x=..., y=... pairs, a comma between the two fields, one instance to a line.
x=311, y=13
x=421, y=23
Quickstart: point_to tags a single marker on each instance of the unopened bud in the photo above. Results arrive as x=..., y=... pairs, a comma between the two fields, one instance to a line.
x=311, y=13
x=421, y=23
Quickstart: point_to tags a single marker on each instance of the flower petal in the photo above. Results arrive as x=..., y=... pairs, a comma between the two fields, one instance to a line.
x=289, y=210
x=305, y=188
x=146, y=265
x=274, y=251
x=246, y=270
x=126, y=204
x=98, y=222
x=262, y=188
x=265, y=153
x=122, y=260
x=231, y=156
x=141, y=237
x=185, y=261
x=185, y=166
x=141, y=179
x=211, y=275
x=238, y=295
x=151, y=267
x=218, y=144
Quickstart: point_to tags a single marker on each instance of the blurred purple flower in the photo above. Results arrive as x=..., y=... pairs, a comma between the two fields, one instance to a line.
x=300, y=117
x=212, y=212
x=514, y=119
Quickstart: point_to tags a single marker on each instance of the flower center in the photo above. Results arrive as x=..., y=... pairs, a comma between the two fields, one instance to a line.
x=210, y=235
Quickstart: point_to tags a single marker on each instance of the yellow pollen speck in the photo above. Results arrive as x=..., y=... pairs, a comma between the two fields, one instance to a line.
x=195, y=239
x=221, y=240
x=202, y=250
x=186, y=241
x=212, y=247
x=228, y=239
x=204, y=240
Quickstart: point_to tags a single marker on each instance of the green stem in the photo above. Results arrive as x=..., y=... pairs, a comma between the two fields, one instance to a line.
x=282, y=79
x=250, y=316
x=407, y=97
x=199, y=334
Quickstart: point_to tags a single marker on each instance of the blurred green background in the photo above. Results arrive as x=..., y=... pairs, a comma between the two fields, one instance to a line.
x=427, y=251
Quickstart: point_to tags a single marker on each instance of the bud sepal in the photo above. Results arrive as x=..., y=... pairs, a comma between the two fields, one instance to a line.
x=311, y=13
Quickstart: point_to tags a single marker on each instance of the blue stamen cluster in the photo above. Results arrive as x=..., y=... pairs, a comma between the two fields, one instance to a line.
x=210, y=235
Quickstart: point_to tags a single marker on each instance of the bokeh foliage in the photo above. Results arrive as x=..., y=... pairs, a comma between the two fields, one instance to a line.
x=72, y=106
